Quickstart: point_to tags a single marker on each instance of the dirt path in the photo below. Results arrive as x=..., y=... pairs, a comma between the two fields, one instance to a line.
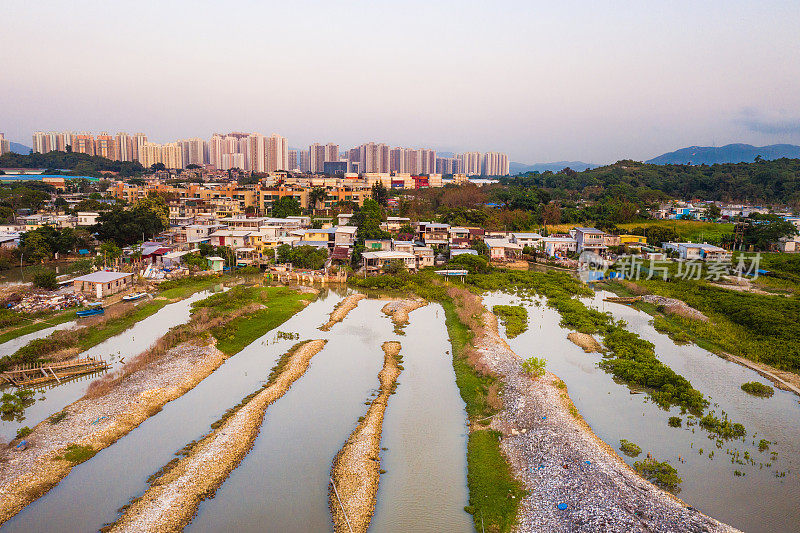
x=342, y=309
x=356, y=468
x=173, y=498
x=96, y=423
x=561, y=461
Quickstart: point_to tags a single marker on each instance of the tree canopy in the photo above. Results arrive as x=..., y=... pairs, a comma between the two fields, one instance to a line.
x=145, y=219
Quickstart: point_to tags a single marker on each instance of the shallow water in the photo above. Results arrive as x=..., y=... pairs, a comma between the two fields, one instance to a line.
x=9, y=347
x=119, y=473
x=127, y=344
x=425, y=433
x=757, y=501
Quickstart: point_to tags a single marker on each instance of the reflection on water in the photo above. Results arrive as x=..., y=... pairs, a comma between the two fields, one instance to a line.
x=281, y=485
x=614, y=414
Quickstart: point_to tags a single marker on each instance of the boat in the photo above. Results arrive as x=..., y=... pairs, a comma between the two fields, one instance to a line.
x=134, y=297
x=93, y=309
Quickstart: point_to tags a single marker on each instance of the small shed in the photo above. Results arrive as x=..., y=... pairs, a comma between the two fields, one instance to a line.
x=215, y=263
x=103, y=283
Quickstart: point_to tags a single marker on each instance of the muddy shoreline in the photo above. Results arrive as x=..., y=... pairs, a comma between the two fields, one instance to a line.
x=173, y=498
x=356, y=468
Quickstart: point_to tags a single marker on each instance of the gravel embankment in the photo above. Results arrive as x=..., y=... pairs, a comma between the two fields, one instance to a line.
x=561, y=461
x=675, y=306
x=400, y=309
x=356, y=468
x=342, y=309
x=173, y=498
x=99, y=422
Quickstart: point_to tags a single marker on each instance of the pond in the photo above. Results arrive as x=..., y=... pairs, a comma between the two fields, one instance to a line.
x=614, y=413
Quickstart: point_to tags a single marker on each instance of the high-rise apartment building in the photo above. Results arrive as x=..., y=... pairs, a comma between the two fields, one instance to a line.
x=172, y=155
x=495, y=164
x=277, y=153
x=83, y=143
x=194, y=152
x=256, y=153
x=471, y=163
x=305, y=161
x=292, y=164
x=125, y=146
x=331, y=152
x=150, y=154
x=105, y=146
x=5, y=144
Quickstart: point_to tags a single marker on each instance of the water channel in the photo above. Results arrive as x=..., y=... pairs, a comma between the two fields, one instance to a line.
x=757, y=501
x=115, y=350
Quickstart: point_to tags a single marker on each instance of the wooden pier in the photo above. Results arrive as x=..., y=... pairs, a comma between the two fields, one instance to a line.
x=623, y=300
x=33, y=375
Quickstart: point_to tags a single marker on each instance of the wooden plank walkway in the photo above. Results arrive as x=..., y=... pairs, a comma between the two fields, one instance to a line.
x=34, y=374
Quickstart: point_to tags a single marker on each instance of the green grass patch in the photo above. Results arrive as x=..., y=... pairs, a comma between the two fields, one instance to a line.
x=513, y=317
x=281, y=303
x=758, y=389
x=28, y=324
x=663, y=325
x=76, y=453
x=722, y=427
x=494, y=494
x=472, y=386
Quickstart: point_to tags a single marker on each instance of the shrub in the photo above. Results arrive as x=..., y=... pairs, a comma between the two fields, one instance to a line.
x=513, y=317
x=661, y=474
x=758, y=389
x=45, y=279
x=534, y=366
x=23, y=432
x=628, y=448
x=674, y=422
x=724, y=428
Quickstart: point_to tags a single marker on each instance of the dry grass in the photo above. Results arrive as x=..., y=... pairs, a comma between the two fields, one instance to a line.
x=493, y=398
x=202, y=322
x=635, y=288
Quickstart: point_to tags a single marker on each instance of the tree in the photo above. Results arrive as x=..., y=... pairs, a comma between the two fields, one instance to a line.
x=317, y=196
x=109, y=252
x=286, y=206
x=380, y=194
x=147, y=217
x=155, y=167
x=305, y=256
x=34, y=247
x=713, y=211
x=551, y=214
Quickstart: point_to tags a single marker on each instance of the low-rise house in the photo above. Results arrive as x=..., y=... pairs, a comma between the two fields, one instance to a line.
x=691, y=251
x=87, y=218
x=393, y=224
x=344, y=218
x=589, y=240
x=433, y=233
x=9, y=240
x=231, y=238
x=788, y=244
x=558, y=246
x=103, y=283
x=374, y=262
x=403, y=246
x=377, y=244
x=215, y=263
x=503, y=249
x=424, y=256
x=525, y=239
x=345, y=236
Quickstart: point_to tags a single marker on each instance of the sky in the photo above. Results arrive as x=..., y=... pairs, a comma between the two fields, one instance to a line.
x=595, y=81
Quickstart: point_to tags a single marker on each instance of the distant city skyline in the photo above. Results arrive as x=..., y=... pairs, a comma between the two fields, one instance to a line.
x=255, y=152
x=589, y=81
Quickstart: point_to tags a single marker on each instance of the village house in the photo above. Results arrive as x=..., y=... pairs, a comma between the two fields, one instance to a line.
x=690, y=251
x=589, y=240
x=87, y=218
x=373, y=262
x=525, y=239
x=503, y=249
x=433, y=233
x=103, y=283
x=558, y=246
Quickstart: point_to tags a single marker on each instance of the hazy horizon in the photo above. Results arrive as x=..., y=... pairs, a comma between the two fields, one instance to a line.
x=595, y=82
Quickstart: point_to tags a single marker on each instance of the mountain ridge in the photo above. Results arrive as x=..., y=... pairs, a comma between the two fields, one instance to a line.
x=730, y=153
